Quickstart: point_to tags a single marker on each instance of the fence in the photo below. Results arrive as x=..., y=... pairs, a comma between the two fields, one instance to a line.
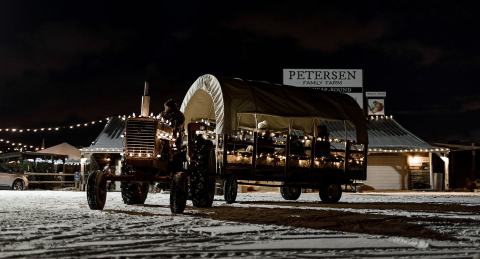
x=56, y=176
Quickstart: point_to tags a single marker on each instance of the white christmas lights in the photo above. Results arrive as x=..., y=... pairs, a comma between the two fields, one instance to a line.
x=51, y=129
x=17, y=145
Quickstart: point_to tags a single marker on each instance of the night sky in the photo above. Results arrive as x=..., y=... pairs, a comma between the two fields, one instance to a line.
x=66, y=61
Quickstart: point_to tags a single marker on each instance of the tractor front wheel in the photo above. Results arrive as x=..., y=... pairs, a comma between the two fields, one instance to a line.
x=178, y=192
x=96, y=190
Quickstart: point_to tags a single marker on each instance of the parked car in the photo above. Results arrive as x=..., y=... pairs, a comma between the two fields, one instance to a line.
x=11, y=180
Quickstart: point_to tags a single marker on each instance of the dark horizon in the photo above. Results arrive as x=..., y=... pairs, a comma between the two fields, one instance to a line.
x=67, y=63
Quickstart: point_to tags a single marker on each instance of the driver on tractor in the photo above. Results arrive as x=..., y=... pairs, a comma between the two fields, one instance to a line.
x=175, y=117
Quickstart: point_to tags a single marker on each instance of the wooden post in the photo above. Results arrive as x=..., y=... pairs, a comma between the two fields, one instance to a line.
x=287, y=152
x=224, y=155
x=63, y=171
x=430, y=161
x=474, y=161
x=254, y=153
x=347, y=147
x=312, y=147
x=446, y=177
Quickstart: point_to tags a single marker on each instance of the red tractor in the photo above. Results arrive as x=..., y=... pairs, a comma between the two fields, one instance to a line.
x=151, y=155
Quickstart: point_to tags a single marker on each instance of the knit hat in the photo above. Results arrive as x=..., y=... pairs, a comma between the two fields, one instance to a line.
x=170, y=103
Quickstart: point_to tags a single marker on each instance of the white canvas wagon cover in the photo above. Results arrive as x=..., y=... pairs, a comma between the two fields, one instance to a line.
x=234, y=103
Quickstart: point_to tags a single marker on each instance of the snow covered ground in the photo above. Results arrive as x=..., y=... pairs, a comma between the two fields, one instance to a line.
x=464, y=198
x=461, y=198
x=60, y=224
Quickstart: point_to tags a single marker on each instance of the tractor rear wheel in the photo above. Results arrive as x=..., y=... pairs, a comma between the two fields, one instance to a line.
x=178, y=192
x=96, y=190
x=202, y=172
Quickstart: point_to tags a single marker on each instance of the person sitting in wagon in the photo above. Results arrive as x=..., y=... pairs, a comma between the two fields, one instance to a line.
x=264, y=140
x=297, y=147
x=322, y=145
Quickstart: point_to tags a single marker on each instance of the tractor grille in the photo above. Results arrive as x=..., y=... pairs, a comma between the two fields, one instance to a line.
x=140, y=139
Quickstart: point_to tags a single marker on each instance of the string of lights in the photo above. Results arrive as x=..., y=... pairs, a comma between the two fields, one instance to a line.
x=71, y=126
x=9, y=145
x=380, y=117
x=400, y=150
x=53, y=129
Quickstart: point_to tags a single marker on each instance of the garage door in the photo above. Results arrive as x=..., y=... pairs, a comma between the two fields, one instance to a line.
x=387, y=172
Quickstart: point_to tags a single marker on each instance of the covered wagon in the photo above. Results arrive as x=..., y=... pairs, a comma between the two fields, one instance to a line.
x=261, y=133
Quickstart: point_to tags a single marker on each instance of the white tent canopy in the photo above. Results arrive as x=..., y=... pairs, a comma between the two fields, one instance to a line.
x=235, y=103
x=72, y=152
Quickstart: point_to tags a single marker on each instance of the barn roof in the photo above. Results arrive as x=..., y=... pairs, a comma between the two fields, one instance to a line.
x=110, y=139
x=385, y=134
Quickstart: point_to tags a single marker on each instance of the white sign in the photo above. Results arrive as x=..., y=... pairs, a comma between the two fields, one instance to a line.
x=347, y=81
x=376, y=106
x=375, y=94
x=417, y=160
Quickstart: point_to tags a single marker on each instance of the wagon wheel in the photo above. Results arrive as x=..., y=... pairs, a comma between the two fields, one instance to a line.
x=330, y=193
x=178, y=192
x=96, y=190
x=290, y=193
x=230, y=187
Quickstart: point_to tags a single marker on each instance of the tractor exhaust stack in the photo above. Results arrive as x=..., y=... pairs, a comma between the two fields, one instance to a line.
x=145, y=109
